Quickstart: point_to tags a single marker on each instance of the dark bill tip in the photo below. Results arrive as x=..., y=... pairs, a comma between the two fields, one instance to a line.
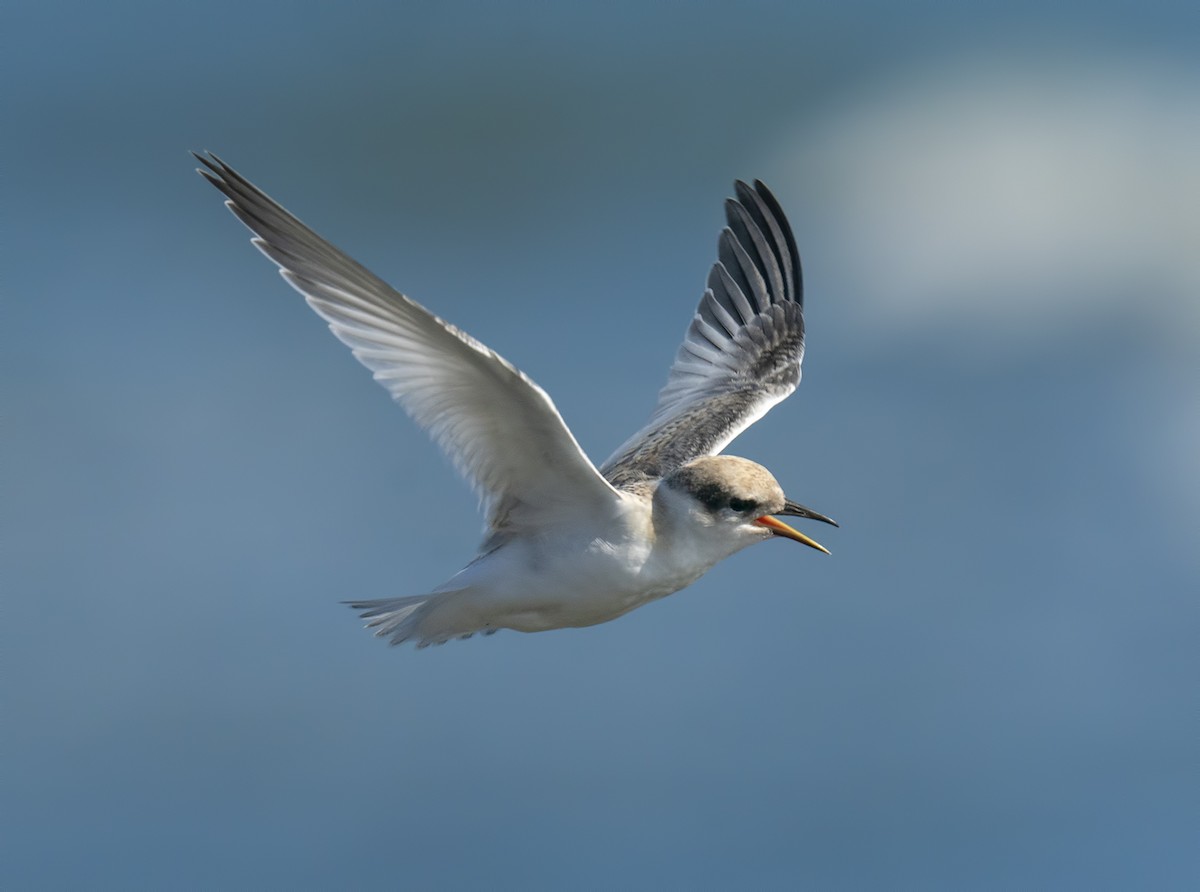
x=795, y=509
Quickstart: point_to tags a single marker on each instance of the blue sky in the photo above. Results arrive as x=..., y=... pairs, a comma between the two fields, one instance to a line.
x=990, y=684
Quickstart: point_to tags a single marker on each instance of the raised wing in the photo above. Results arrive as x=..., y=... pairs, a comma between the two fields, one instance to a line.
x=500, y=429
x=742, y=352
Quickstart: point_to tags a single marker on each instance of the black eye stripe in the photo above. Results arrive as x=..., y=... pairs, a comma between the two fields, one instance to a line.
x=712, y=497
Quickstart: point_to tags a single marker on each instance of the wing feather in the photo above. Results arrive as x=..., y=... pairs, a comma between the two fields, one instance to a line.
x=499, y=428
x=742, y=351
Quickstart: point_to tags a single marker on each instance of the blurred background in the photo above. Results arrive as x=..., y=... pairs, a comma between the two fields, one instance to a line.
x=991, y=684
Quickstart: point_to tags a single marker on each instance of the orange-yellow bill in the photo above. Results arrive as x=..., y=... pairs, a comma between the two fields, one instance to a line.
x=779, y=528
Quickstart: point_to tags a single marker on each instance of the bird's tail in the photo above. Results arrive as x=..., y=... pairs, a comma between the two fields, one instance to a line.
x=426, y=619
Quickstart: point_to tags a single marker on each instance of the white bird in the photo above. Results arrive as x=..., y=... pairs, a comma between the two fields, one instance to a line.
x=568, y=544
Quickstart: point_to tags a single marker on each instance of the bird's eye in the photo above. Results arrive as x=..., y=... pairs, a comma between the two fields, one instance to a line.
x=743, y=506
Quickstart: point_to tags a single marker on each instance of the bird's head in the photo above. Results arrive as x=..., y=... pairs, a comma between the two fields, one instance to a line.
x=731, y=501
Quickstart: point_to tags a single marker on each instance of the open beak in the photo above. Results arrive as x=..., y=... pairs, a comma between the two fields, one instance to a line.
x=794, y=509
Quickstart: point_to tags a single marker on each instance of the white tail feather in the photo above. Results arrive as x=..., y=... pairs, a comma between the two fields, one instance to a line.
x=427, y=619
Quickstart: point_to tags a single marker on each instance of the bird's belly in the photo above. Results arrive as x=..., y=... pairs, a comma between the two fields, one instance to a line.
x=583, y=587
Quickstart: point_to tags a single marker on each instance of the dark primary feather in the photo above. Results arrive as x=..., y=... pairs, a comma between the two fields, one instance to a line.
x=741, y=354
x=281, y=236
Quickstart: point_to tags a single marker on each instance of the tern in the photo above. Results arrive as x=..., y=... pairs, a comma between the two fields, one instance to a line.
x=568, y=544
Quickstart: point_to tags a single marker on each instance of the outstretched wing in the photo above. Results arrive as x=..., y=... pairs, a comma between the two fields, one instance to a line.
x=500, y=429
x=742, y=352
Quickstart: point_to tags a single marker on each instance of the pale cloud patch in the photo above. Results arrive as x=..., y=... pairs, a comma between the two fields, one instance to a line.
x=1013, y=192
x=1009, y=204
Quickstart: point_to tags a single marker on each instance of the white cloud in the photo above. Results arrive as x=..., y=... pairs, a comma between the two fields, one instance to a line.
x=1023, y=203
x=1015, y=192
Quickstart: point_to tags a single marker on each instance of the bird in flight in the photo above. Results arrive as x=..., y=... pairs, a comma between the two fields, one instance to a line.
x=569, y=544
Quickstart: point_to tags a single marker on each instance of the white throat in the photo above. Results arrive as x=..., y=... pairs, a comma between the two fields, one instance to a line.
x=689, y=536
